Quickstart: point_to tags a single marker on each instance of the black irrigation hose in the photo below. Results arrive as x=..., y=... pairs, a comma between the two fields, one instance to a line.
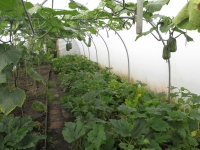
x=126, y=54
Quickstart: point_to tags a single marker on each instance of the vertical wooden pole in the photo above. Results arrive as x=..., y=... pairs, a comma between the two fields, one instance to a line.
x=139, y=16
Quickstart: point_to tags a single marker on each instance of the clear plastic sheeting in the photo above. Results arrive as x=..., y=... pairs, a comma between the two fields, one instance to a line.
x=61, y=44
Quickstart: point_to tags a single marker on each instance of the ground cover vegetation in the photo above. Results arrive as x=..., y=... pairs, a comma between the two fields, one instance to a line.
x=112, y=113
x=118, y=106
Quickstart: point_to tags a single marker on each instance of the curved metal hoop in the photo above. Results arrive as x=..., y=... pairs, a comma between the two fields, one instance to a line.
x=126, y=54
x=107, y=50
x=95, y=49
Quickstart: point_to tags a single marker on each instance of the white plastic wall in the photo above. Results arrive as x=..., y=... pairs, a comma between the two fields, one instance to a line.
x=145, y=54
x=146, y=63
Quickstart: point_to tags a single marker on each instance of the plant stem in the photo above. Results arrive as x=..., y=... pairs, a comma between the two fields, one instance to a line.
x=169, y=88
x=168, y=61
x=25, y=10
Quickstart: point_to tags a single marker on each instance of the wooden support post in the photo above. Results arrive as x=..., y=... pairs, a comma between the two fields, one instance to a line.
x=139, y=16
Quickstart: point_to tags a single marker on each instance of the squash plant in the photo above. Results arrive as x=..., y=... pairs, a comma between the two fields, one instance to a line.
x=112, y=113
x=16, y=133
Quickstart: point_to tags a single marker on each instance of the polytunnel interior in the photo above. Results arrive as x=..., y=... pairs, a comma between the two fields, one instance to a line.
x=99, y=74
x=145, y=63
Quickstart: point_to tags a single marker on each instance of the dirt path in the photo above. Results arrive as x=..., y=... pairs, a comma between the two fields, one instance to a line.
x=56, y=118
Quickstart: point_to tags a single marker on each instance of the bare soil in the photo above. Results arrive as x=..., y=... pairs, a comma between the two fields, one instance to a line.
x=50, y=123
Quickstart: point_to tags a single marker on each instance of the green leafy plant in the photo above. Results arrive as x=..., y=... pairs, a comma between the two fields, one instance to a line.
x=132, y=116
x=39, y=106
x=17, y=133
x=97, y=99
x=36, y=76
x=10, y=99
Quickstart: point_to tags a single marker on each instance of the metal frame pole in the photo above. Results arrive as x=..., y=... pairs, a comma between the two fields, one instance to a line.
x=95, y=49
x=126, y=54
x=107, y=50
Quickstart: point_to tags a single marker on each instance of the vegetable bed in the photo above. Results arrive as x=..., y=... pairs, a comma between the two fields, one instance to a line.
x=113, y=114
x=24, y=127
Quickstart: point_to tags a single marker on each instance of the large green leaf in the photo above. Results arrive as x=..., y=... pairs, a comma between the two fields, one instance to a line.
x=159, y=124
x=193, y=124
x=92, y=30
x=29, y=141
x=39, y=106
x=188, y=17
x=182, y=132
x=195, y=114
x=91, y=95
x=122, y=127
x=154, y=6
x=36, y=76
x=109, y=143
x=73, y=131
x=10, y=7
x=126, y=109
x=34, y=9
x=14, y=137
x=8, y=71
x=162, y=137
x=90, y=119
x=145, y=33
x=8, y=55
x=9, y=99
x=2, y=77
x=186, y=24
x=166, y=24
x=73, y=5
x=13, y=8
x=154, y=145
x=177, y=115
x=192, y=141
x=17, y=133
x=97, y=135
x=126, y=146
x=139, y=128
